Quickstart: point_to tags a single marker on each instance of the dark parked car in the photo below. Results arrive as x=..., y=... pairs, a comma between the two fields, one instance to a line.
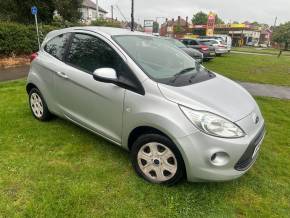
x=197, y=55
x=208, y=51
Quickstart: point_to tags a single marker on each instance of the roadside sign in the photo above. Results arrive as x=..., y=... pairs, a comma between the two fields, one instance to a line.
x=148, y=26
x=34, y=10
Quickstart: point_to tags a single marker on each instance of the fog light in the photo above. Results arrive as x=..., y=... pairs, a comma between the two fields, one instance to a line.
x=219, y=158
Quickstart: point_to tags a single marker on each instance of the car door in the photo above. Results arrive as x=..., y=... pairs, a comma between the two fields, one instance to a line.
x=92, y=104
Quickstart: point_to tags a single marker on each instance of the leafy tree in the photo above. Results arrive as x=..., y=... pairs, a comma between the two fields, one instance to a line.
x=218, y=20
x=20, y=11
x=281, y=34
x=199, y=18
x=104, y=22
x=68, y=9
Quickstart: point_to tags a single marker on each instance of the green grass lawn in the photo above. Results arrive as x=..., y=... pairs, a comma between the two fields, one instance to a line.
x=253, y=68
x=271, y=51
x=57, y=169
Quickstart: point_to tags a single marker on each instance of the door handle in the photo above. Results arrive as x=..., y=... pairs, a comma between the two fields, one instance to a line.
x=61, y=74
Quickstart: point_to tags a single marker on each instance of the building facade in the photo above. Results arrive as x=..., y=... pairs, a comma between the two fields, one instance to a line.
x=89, y=12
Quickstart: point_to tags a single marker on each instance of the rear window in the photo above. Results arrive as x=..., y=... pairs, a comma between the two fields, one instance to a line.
x=56, y=46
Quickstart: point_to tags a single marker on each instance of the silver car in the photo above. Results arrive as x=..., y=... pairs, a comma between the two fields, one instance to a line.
x=219, y=46
x=177, y=119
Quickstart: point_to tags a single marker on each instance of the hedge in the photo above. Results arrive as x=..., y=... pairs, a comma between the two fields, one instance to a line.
x=20, y=39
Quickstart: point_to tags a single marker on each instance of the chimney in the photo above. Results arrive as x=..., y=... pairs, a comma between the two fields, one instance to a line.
x=186, y=20
x=178, y=19
x=166, y=20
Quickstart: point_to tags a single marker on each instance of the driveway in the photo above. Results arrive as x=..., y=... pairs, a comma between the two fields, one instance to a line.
x=13, y=73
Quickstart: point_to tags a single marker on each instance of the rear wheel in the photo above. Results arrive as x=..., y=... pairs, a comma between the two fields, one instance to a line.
x=38, y=106
x=157, y=159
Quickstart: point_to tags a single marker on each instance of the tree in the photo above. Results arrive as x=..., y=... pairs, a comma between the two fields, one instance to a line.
x=68, y=9
x=281, y=34
x=20, y=11
x=199, y=18
x=218, y=20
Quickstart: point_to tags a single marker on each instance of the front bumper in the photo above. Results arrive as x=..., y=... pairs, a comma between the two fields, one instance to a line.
x=198, y=149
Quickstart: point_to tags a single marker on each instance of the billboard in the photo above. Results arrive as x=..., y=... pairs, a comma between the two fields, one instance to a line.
x=148, y=26
x=210, y=24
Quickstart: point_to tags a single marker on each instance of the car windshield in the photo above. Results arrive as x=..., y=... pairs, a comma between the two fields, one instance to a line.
x=176, y=42
x=160, y=60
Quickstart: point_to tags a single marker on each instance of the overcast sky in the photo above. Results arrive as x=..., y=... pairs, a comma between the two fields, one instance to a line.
x=263, y=11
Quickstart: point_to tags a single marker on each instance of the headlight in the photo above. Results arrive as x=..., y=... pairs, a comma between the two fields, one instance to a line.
x=213, y=124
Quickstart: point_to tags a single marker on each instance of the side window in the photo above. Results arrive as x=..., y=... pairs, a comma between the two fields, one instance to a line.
x=56, y=46
x=184, y=42
x=90, y=53
x=192, y=42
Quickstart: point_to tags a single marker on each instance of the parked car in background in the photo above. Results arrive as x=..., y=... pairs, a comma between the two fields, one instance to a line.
x=197, y=55
x=219, y=47
x=227, y=40
x=207, y=51
x=177, y=118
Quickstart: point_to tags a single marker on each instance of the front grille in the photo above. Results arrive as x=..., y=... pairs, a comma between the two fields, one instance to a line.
x=245, y=161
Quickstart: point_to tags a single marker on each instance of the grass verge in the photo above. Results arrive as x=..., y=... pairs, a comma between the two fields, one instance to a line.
x=253, y=68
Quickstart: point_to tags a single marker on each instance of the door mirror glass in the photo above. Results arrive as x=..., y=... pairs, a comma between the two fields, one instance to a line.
x=107, y=75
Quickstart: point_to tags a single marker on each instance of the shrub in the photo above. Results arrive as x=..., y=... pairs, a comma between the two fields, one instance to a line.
x=106, y=22
x=18, y=39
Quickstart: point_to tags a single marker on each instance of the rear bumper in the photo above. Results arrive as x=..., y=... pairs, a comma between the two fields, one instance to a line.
x=221, y=51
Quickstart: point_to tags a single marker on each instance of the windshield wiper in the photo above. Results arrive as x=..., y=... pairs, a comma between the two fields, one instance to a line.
x=181, y=73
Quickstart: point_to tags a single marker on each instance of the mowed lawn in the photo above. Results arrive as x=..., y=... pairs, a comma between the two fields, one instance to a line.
x=56, y=169
x=253, y=68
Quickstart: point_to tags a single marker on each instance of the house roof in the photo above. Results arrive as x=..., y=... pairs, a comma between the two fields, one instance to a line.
x=90, y=4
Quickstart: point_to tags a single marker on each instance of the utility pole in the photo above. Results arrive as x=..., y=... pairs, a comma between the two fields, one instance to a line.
x=112, y=12
x=275, y=22
x=97, y=9
x=132, y=16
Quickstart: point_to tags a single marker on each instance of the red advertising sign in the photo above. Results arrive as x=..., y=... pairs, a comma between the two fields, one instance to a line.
x=210, y=24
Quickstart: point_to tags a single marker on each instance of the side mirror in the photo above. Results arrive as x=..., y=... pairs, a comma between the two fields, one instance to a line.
x=106, y=75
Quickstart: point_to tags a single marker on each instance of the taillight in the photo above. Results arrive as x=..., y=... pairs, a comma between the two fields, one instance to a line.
x=33, y=56
x=204, y=47
x=221, y=46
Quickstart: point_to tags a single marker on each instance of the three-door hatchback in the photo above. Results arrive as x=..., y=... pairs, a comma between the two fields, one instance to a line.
x=178, y=119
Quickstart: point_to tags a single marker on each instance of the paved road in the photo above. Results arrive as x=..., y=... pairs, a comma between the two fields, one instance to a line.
x=13, y=73
x=267, y=90
x=254, y=88
x=253, y=53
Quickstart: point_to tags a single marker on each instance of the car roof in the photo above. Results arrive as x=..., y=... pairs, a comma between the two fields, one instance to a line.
x=105, y=31
x=109, y=31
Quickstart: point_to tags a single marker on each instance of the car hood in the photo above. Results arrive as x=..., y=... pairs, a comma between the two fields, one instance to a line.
x=218, y=95
x=192, y=52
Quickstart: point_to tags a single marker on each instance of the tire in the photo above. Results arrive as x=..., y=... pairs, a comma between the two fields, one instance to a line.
x=38, y=105
x=156, y=159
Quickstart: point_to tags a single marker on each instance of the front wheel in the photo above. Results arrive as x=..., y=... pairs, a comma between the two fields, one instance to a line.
x=156, y=159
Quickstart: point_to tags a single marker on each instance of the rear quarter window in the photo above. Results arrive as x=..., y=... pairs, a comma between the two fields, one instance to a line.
x=56, y=46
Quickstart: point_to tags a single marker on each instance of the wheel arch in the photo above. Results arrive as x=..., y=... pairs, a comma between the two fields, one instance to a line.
x=30, y=86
